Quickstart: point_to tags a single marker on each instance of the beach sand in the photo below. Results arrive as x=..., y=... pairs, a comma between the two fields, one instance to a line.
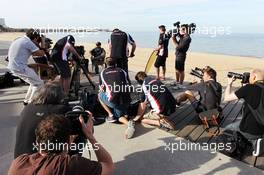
x=221, y=63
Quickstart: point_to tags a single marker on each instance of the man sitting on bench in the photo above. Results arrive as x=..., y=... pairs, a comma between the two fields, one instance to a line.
x=210, y=92
x=252, y=124
x=98, y=57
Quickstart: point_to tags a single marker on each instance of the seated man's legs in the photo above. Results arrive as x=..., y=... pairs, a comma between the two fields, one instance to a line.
x=187, y=95
x=152, y=118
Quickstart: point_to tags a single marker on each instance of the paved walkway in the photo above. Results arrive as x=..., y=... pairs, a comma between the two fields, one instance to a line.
x=144, y=154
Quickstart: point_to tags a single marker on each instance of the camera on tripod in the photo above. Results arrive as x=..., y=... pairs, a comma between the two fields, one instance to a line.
x=243, y=77
x=176, y=31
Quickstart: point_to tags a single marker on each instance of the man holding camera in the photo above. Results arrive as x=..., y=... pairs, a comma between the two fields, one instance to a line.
x=114, y=95
x=210, y=92
x=162, y=53
x=19, y=52
x=182, y=47
x=118, y=46
x=54, y=138
x=252, y=124
x=59, y=56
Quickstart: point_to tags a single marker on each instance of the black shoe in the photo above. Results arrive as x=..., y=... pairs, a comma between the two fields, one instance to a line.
x=25, y=103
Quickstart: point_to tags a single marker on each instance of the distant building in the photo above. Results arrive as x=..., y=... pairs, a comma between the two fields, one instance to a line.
x=2, y=22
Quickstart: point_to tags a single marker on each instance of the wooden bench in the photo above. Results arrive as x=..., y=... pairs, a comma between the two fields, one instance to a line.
x=189, y=126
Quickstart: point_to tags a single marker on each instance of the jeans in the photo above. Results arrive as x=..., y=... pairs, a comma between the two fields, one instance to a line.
x=118, y=110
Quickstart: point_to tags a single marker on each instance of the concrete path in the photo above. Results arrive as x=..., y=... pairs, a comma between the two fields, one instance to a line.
x=145, y=154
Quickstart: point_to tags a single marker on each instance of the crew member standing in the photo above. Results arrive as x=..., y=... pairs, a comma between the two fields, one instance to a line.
x=119, y=50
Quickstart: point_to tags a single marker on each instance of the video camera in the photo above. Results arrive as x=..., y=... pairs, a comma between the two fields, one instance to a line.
x=176, y=31
x=197, y=72
x=243, y=77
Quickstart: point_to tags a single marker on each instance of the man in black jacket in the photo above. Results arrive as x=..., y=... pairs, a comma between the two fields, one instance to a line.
x=250, y=126
x=210, y=92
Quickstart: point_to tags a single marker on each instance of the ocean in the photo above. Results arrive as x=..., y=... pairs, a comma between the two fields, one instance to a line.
x=248, y=45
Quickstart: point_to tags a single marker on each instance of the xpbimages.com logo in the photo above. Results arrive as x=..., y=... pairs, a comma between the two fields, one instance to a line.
x=189, y=146
x=58, y=146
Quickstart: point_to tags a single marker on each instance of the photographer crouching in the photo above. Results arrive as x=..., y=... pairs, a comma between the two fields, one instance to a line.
x=53, y=137
x=251, y=125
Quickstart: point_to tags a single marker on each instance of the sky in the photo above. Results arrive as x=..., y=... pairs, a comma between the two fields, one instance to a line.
x=242, y=16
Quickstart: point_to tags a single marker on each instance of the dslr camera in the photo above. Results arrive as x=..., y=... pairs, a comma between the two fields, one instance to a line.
x=176, y=31
x=243, y=77
x=197, y=72
x=73, y=116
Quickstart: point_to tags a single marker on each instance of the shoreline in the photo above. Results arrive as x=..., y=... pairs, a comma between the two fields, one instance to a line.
x=10, y=36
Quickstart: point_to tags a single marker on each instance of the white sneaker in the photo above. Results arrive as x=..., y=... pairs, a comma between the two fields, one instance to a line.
x=130, y=129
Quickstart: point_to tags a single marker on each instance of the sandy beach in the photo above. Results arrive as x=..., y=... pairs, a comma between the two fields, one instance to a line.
x=222, y=63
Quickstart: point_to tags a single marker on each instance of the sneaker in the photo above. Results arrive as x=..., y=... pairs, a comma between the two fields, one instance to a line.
x=110, y=119
x=258, y=147
x=165, y=123
x=25, y=103
x=181, y=86
x=176, y=87
x=174, y=83
x=130, y=129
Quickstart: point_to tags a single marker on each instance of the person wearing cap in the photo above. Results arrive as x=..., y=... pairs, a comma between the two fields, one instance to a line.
x=98, y=56
x=59, y=55
x=19, y=52
x=162, y=52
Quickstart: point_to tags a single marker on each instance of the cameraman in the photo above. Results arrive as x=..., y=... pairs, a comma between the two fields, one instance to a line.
x=59, y=55
x=182, y=47
x=162, y=52
x=210, y=92
x=19, y=52
x=47, y=101
x=249, y=126
x=53, y=137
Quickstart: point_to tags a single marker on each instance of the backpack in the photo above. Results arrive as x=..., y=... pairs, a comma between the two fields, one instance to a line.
x=235, y=143
x=212, y=117
x=6, y=80
x=258, y=113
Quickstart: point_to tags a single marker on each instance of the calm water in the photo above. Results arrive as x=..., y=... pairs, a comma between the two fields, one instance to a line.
x=251, y=45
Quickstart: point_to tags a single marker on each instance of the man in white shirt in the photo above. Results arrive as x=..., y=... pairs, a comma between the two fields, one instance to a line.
x=19, y=52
